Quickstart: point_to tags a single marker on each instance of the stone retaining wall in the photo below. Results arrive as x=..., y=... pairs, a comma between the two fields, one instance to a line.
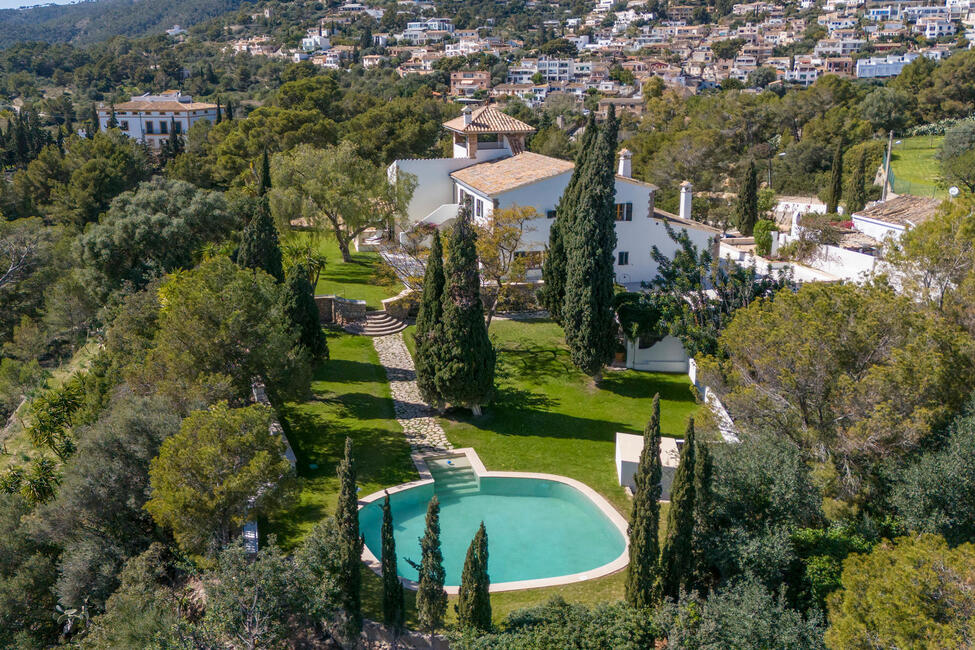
x=404, y=305
x=341, y=311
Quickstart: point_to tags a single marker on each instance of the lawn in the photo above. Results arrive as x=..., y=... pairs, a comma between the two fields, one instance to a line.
x=356, y=279
x=350, y=397
x=916, y=169
x=549, y=417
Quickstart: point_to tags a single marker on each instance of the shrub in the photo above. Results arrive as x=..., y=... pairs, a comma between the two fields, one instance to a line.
x=763, y=237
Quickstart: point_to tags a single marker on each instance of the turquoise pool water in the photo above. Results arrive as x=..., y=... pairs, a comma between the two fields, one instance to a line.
x=536, y=528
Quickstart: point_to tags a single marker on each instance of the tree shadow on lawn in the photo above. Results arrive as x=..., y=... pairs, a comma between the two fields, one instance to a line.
x=631, y=383
x=523, y=420
x=534, y=362
x=343, y=371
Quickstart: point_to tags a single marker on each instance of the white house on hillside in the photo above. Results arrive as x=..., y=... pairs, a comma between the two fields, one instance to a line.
x=491, y=170
x=150, y=118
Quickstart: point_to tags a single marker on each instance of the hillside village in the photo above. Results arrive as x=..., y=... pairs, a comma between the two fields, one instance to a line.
x=488, y=325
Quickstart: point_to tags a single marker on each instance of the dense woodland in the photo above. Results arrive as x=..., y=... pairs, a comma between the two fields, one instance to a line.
x=142, y=292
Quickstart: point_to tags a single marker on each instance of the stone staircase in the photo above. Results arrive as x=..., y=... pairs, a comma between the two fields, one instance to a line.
x=377, y=323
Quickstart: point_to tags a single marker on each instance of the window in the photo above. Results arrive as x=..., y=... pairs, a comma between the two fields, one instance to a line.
x=177, y=127
x=550, y=214
x=623, y=258
x=163, y=127
x=624, y=212
x=149, y=127
x=124, y=125
x=479, y=208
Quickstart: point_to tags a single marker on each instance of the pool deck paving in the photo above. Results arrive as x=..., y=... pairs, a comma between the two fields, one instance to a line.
x=420, y=426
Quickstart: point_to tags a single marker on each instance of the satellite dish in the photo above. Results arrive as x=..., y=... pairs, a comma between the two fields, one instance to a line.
x=953, y=191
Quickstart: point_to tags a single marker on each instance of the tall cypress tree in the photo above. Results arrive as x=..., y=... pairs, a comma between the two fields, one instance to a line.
x=465, y=358
x=676, y=561
x=112, y=122
x=746, y=210
x=835, y=190
x=230, y=111
x=588, y=317
x=265, y=180
x=431, y=599
x=702, y=574
x=349, y=576
x=300, y=307
x=394, y=609
x=856, y=192
x=429, y=326
x=474, y=599
x=553, y=272
x=259, y=248
x=92, y=123
x=219, y=117
x=645, y=520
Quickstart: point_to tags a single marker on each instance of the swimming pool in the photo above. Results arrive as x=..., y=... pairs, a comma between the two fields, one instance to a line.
x=540, y=530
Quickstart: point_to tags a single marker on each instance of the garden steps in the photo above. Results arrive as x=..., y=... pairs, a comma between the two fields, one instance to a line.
x=377, y=323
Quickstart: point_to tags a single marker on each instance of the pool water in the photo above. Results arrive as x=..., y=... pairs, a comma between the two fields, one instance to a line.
x=536, y=528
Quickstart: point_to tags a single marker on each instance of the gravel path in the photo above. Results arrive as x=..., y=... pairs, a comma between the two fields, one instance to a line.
x=422, y=430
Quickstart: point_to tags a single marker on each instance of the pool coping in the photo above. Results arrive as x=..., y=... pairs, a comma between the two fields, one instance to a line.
x=420, y=458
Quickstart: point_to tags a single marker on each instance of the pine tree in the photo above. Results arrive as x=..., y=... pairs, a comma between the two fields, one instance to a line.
x=394, y=608
x=429, y=325
x=856, y=195
x=474, y=599
x=219, y=116
x=431, y=599
x=92, y=123
x=835, y=191
x=265, y=181
x=259, y=248
x=676, y=562
x=553, y=271
x=702, y=574
x=588, y=316
x=300, y=307
x=349, y=578
x=645, y=520
x=465, y=358
x=746, y=212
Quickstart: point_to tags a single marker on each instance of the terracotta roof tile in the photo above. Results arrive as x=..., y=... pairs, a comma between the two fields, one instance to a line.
x=904, y=210
x=488, y=119
x=497, y=177
x=163, y=106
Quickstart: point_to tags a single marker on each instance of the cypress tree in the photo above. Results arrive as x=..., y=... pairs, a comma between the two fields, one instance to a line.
x=676, y=562
x=747, y=206
x=265, y=181
x=701, y=576
x=259, y=247
x=474, y=600
x=230, y=111
x=300, y=307
x=588, y=317
x=856, y=195
x=92, y=123
x=645, y=520
x=431, y=599
x=219, y=116
x=349, y=578
x=393, y=601
x=465, y=358
x=428, y=325
x=112, y=122
x=835, y=191
x=553, y=272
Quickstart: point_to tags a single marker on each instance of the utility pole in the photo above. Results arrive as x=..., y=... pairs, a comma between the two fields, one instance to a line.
x=890, y=145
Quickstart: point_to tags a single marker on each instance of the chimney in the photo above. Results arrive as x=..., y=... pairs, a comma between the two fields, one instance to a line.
x=626, y=165
x=467, y=115
x=685, y=200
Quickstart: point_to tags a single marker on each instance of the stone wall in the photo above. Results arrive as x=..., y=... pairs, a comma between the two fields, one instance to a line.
x=324, y=304
x=404, y=305
x=345, y=311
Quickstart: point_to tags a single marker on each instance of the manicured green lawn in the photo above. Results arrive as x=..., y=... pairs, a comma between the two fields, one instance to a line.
x=549, y=417
x=916, y=169
x=355, y=279
x=350, y=398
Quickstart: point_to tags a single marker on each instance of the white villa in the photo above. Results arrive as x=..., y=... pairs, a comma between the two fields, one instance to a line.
x=491, y=170
x=149, y=118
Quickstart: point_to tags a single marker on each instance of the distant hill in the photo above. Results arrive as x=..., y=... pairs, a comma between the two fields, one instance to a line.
x=96, y=20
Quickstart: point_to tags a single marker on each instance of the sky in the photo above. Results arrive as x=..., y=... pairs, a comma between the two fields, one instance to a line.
x=14, y=4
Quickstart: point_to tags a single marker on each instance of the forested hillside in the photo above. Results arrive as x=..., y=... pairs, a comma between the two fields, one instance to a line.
x=89, y=22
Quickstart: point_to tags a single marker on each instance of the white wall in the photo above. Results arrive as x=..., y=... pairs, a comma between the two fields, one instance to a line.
x=434, y=186
x=877, y=229
x=667, y=355
x=136, y=123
